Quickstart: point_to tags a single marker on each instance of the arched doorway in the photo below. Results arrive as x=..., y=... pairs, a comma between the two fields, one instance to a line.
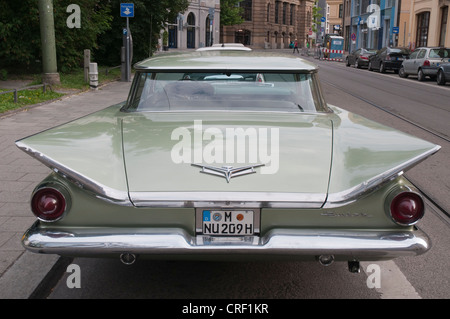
x=208, y=34
x=190, y=31
x=242, y=36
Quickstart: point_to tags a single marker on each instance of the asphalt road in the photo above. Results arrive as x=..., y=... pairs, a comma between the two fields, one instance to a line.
x=427, y=276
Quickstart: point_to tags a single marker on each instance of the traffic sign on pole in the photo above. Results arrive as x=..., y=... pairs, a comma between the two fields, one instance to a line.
x=127, y=10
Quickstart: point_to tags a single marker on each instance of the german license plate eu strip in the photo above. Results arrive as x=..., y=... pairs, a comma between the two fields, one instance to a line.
x=215, y=222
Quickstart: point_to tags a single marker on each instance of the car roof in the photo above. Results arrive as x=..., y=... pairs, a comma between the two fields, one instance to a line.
x=226, y=60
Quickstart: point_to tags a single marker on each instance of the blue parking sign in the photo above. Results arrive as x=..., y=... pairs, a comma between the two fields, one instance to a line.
x=127, y=10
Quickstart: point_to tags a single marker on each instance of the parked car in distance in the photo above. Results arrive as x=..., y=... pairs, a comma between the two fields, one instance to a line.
x=388, y=58
x=424, y=62
x=359, y=58
x=443, y=73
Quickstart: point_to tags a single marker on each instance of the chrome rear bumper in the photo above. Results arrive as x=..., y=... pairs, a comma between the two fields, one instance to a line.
x=170, y=242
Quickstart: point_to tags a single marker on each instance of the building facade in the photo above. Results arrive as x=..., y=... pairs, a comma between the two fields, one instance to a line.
x=428, y=23
x=198, y=27
x=272, y=24
x=335, y=11
x=405, y=23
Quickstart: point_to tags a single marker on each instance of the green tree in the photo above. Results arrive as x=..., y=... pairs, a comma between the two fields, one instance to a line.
x=150, y=17
x=230, y=12
x=20, y=43
x=316, y=15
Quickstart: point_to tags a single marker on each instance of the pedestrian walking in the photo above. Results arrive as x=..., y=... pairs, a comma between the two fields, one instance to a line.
x=296, y=46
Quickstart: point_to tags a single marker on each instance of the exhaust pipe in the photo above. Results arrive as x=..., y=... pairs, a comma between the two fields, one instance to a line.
x=326, y=260
x=128, y=259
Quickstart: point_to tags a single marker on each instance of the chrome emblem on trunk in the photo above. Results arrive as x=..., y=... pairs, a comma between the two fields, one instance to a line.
x=228, y=171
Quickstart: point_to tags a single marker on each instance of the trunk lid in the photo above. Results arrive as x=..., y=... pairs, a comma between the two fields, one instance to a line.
x=159, y=149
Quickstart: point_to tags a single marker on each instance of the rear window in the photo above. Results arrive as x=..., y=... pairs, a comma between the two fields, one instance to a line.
x=399, y=51
x=440, y=53
x=227, y=91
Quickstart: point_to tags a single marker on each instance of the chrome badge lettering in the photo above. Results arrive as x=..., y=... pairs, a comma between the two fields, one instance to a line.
x=228, y=171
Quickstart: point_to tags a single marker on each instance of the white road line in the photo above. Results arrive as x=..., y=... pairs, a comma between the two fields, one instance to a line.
x=393, y=283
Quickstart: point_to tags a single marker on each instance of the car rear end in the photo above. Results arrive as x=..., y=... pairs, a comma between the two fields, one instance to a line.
x=395, y=57
x=434, y=58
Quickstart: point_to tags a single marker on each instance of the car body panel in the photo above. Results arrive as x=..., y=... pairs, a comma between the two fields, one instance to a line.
x=304, y=168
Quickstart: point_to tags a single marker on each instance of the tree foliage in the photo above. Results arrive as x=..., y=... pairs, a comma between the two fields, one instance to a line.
x=101, y=31
x=230, y=12
x=20, y=37
x=150, y=17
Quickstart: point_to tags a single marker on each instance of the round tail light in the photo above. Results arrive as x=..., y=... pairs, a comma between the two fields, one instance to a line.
x=48, y=204
x=407, y=208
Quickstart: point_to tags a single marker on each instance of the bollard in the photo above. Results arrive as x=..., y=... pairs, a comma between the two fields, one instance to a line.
x=93, y=76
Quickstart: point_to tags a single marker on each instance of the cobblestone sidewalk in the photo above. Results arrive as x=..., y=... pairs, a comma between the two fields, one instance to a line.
x=19, y=173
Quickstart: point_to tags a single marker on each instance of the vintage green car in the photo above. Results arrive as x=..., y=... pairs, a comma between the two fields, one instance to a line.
x=227, y=155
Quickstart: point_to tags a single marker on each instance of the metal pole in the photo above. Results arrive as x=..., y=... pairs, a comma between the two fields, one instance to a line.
x=128, y=52
x=49, y=65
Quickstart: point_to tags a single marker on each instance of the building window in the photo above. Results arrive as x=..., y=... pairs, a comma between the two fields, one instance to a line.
x=442, y=34
x=291, y=14
x=341, y=7
x=423, y=20
x=190, y=39
x=208, y=34
x=284, y=12
x=247, y=9
x=277, y=10
x=268, y=13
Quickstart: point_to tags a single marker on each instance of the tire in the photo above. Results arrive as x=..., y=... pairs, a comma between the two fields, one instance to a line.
x=357, y=65
x=370, y=66
x=382, y=69
x=440, y=79
x=420, y=75
x=401, y=73
x=346, y=62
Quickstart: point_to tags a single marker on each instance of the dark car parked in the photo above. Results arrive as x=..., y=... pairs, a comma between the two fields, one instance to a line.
x=359, y=57
x=443, y=74
x=388, y=58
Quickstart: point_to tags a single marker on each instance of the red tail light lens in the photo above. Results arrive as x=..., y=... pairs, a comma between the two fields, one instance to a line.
x=407, y=208
x=426, y=63
x=48, y=204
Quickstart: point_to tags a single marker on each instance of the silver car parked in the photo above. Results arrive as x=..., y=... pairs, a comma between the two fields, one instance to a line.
x=424, y=61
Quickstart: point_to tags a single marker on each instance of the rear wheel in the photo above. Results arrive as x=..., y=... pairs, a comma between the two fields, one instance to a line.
x=420, y=75
x=370, y=66
x=347, y=62
x=401, y=73
x=440, y=79
x=382, y=68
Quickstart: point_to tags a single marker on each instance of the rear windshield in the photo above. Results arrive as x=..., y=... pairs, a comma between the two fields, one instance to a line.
x=439, y=53
x=400, y=51
x=240, y=91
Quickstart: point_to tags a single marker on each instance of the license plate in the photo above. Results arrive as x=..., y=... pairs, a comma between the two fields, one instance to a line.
x=228, y=222
x=399, y=59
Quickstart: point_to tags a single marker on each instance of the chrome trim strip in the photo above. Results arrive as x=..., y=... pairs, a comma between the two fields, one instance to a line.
x=100, y=191
x=362, y=245
x=227, y=199
x=350, y=195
